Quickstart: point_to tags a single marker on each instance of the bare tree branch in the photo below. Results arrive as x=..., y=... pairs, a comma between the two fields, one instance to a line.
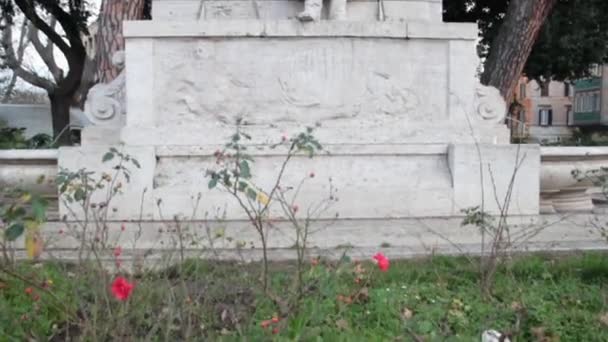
x=69, y=24
x=29, y=10
x=15, y=64
x=34, y=79
x=46, y=51
x=23, y=42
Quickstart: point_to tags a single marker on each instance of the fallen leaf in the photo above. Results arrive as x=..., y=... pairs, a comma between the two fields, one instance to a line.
x=406, y=313
x=33, y=244
x=359, y=269
x=541, y=335
x=344, y=299
x=362, y=295
x=342, y=324
x=604, y=318
x=516, y=306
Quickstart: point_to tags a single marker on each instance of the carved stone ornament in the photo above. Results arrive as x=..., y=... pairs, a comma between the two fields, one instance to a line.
x=105, y=104
x=489, y=104
x=313, y=8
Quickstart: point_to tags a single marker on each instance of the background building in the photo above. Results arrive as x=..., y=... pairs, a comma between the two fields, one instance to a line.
x=591, y=98
x=544, y=112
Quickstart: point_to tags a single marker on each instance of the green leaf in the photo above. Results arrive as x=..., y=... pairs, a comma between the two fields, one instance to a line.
x=136, y=163
x=245, y=171
x=39, y=206
x=252, y=193
x=107, y=157
x=14, y=231
x=212, y=183
x=243, y=186
x=14, y=213
x=79, y=194
x=425, y=327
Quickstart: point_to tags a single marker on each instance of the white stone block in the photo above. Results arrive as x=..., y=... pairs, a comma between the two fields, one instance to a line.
x=134, y=193
x=496, y=177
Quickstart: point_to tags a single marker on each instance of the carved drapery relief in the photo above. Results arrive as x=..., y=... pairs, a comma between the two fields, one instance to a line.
x=106, y=102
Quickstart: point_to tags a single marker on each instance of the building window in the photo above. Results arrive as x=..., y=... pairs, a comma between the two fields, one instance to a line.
x=569, y=116
x=545, y=117
x=580, y=103
x=566, y=89
x=544, y=89
x=522, y=91
x=596, y=101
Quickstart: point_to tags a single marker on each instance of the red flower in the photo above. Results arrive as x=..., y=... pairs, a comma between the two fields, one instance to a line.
x=312, y=175
x=275, y=331
x=265, y=324
x=117, y=251
x=121, y=288
x=35, y=297
x=275, y=319
x=382, y=261
x=29, y=290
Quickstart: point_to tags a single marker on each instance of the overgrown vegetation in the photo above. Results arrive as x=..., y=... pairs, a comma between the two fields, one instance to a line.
x=536, y=298
x=106, y=293
x=14, y=138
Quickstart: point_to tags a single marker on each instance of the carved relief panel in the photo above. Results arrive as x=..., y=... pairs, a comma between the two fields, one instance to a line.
x=269, y=81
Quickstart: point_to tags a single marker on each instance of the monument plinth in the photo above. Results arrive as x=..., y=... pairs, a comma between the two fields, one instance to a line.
x=391, y=88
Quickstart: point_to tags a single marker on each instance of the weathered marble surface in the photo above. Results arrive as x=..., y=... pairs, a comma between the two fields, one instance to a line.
x=396, y=103
x=377, y=181
x=560, y=190
x=281, y=74
x=29, y=170
x=404, y=238
x=106, y=104
x=362, y=10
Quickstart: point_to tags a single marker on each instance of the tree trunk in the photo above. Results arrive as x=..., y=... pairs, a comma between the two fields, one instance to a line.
x=60, y=112
x=513, y=44
x=109, y=35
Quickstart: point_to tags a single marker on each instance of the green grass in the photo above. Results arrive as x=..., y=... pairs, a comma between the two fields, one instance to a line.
x=436, y=299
